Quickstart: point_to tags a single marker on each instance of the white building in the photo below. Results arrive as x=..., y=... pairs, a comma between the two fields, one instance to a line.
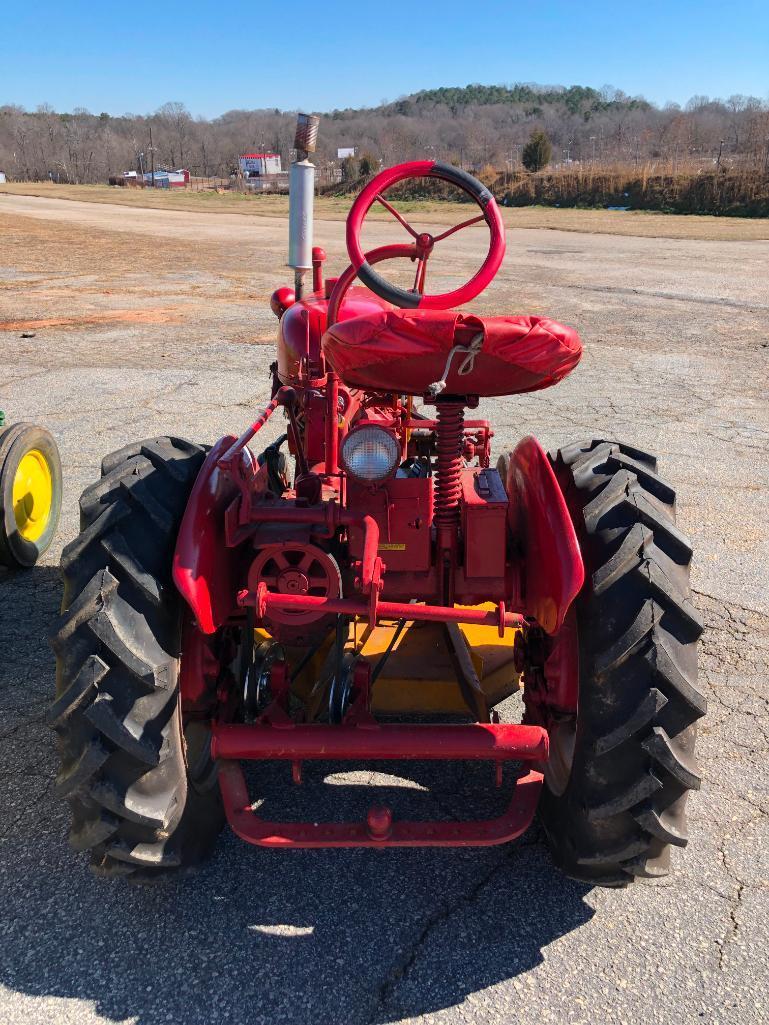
x=165, y=178
x=252, y=164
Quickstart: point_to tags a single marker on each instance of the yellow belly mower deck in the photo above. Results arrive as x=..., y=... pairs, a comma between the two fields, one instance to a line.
x=419, y=676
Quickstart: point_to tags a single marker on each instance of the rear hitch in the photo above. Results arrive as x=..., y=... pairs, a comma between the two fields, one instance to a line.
x=368, y=740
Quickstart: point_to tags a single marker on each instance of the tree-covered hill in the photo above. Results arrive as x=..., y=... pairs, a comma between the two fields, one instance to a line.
x=476, y=126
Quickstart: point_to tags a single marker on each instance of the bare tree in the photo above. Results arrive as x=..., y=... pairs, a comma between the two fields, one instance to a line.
x=178, y=121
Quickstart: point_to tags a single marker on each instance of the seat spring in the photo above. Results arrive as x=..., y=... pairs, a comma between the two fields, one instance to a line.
x=450, y=439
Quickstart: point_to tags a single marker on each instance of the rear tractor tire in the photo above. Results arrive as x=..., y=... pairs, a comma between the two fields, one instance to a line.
x=622, y=768
x=142, y=788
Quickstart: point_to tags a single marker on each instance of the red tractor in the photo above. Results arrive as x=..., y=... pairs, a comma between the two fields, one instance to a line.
x=380, y=601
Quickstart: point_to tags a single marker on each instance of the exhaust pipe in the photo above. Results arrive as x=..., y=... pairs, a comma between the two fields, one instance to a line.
x=301, y=200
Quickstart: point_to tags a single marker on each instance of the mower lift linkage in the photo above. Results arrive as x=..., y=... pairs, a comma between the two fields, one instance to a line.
x=263, y=601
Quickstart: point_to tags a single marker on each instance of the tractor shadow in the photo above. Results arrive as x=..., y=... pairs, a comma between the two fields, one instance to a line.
x=323, y=937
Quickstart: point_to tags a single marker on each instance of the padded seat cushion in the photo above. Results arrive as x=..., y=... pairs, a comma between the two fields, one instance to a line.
x=406, y=351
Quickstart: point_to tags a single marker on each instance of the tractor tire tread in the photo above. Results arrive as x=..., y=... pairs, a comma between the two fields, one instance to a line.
x=639, y=702
x=117, y=644
x=638, y=791
x=93, y=670
x=647, y=710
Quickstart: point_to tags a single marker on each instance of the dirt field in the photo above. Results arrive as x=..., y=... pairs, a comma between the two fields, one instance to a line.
x=604, y=222
x=147, y=321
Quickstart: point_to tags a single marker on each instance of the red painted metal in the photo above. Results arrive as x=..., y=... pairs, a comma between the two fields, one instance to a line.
x=551, y=567
x=197, y=669
x=296, y=567
x=331, y=516
x=281, y=299
x=263, y=601
x=484, y=522
x=561, y=669
x=332, y=424
x=398, y=742
x=300, y=361
x=403, y=509
x=429, y=169
x=380, y=829
x=379, y=822
x=205, y=570
x=338, y=293
x=230, y=457
x=348, y=276
x=318, y=259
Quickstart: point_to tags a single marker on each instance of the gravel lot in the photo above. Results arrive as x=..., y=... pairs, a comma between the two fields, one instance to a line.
x=149, y=322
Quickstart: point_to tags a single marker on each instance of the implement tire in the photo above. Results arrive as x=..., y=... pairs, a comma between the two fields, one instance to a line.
x=621, y=805
x=30, y=494
x=137, y=806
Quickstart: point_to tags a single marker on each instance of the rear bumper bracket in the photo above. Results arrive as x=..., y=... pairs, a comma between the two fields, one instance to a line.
x=479, y=741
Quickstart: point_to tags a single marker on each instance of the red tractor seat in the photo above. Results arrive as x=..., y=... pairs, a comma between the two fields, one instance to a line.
x=412, y=352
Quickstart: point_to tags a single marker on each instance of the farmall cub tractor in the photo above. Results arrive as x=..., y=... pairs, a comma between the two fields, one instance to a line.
x=379, y=601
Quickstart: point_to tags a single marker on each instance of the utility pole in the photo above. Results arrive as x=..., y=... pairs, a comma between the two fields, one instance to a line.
x=720, y=150
x=152, y=159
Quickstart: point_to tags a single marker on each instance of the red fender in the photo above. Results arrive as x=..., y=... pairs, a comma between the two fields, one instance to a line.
x=552, y=569
x=204, y=568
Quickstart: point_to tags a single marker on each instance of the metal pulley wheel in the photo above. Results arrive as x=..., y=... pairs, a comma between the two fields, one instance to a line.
x=256, y=682
x=340, y=691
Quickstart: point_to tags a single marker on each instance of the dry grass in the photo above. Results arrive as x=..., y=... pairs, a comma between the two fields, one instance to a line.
x=82, y=271
x=610, y=222
x=694, y=188
x=34, y=246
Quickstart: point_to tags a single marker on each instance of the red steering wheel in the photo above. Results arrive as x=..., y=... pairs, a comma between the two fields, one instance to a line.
x=400, y=250
x=423, y=241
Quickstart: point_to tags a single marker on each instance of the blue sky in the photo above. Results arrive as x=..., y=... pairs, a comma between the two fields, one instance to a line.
x=120, y=57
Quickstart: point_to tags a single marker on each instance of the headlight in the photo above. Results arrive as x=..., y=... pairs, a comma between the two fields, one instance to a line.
x=370, y=453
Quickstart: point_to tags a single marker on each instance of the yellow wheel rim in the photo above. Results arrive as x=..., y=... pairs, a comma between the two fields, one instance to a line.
x=32, y=495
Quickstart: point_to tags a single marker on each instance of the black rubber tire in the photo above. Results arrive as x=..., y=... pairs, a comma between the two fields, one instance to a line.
x=16, y=551
x=633, y=766
x=137, y=806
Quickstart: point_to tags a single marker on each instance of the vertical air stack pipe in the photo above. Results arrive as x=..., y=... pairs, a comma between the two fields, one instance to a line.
x=301, y=200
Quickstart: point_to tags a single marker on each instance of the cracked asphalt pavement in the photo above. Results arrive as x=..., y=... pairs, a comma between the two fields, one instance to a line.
x=149, y=322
